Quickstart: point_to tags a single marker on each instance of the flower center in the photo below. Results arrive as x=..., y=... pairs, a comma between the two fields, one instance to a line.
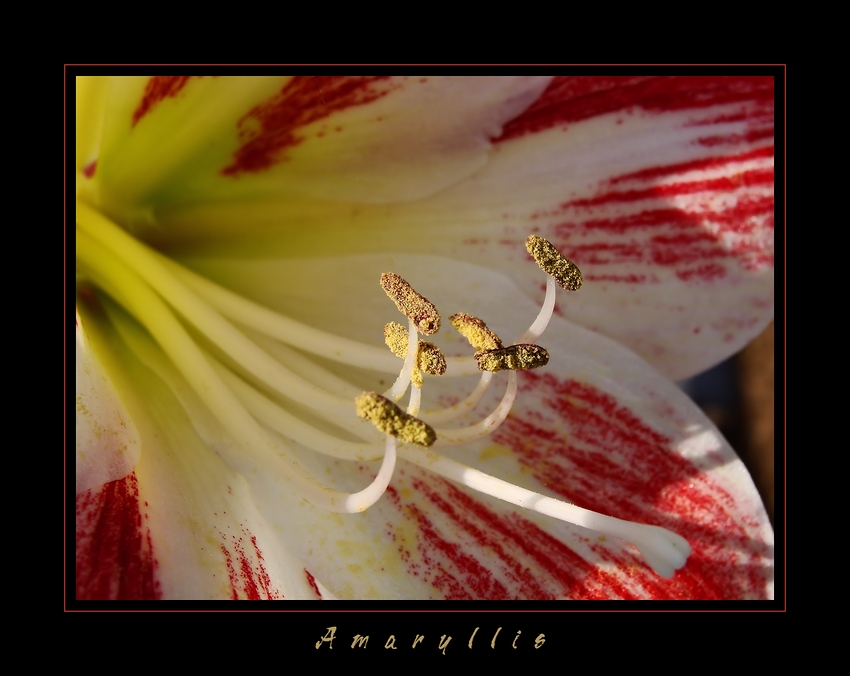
x=238, y=357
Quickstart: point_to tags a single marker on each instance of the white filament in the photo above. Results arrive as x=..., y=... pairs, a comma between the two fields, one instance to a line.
x=444, y=415
x=403, y=380
x=663, y=550
x=538, y=326
x=466, y=435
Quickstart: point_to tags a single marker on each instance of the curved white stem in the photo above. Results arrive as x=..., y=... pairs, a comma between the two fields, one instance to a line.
x=415, y=401
x=403, y=380
x=443, y=415
x=538, y=326
x=465, y=435
x=359, y=502
x=663, y=550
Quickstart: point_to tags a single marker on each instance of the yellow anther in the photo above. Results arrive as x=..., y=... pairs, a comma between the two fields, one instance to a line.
x=475, y=331
x=411, y=304
x=514, y=358
x=552, y=262
x=395, y=336
x=429, y=358
x=390, y=419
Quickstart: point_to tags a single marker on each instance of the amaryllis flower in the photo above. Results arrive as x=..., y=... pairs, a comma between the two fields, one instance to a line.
x=232, y=234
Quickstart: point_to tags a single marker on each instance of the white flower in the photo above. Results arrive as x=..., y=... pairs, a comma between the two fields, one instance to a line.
x=230, y=237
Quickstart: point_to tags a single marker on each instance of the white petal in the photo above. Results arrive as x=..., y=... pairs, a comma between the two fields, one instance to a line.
x=667, y=209
x=597, y=427
x=169, y=142
x=107, y=442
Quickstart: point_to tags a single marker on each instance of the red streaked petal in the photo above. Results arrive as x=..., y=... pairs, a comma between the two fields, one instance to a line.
x=571, y=99
x=597, y=426
x=276, y=124
x=114, y=556
x=183, y=525
x=170, y=142
x=660, y=189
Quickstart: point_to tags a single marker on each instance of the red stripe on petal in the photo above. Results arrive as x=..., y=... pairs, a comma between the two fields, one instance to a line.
x=702, y=164
x=722, y=184
x=699, y=218
x=271, y=127
x=114, y=557
x=312, y=581
x=590, y=450
x=158, y=89
x=695, y=226
x=572, y=99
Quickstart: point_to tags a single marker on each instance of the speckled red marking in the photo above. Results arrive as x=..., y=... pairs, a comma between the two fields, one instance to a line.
x=302, y=100
x=698, y=218
x=158, y=89
x=613, y=463
x=114, y=556
x=590, y=450
x=654, y=234
x=248, y=576
x=572, y=99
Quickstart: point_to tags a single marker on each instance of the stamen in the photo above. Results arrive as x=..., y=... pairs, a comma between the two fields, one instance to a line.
x=415, y=401
x=538, y=326
x=552, y=262
x=360, y=502
x=161, y=295
x=521, y=357
x=411, y=304
x=429, y=358
x=390, y=419
x=475, y=331
x=400, y=385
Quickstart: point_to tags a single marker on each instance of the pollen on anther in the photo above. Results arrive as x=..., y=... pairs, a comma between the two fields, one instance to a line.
x=479, y=335
x=554, y=263
x=520, y=357
x=412, y=305
x=429, y=358
x=390, y=419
